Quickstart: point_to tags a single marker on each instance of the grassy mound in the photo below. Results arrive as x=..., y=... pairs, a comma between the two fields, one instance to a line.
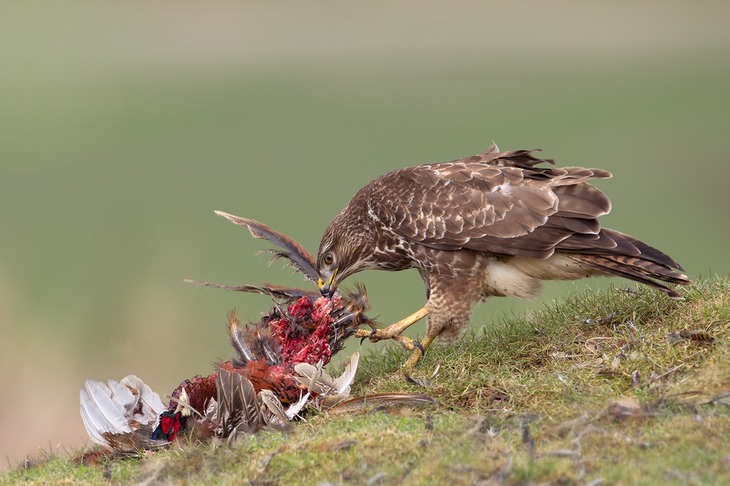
x=621, y=387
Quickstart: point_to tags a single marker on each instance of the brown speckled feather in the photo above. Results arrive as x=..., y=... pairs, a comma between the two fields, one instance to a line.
x=495, y=202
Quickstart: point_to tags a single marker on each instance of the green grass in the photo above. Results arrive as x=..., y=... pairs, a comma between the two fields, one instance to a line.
x=626, y=387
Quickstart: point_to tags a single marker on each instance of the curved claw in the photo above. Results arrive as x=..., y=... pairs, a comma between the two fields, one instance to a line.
x=418, y=345
x=418, y=351
x=425, y=383
x=372, y=333
x=416, y=381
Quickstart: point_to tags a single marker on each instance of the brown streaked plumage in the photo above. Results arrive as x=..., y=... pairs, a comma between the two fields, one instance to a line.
x=494, y=224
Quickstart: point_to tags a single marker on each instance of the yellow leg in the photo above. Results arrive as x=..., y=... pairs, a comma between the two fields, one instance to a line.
x=415, y=357
x=395, y=331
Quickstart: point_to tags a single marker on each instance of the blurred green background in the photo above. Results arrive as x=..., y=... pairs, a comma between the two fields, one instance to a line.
x=123, y=125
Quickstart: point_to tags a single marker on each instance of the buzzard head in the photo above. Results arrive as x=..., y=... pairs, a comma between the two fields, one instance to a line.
x=342, y=252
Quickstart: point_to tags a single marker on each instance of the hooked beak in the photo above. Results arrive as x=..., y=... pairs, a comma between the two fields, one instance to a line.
x=327, y=287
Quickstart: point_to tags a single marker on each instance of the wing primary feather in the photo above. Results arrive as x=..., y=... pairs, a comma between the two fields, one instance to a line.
x=384, y=400
x=103, y=409
x=343, y=382
x=295, y=253
x=276, y=291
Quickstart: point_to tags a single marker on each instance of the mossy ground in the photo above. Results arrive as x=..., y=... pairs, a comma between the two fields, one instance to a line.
x=618, y=387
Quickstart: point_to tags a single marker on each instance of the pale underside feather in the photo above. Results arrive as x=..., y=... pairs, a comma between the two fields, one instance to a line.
x=329, y=390
x=111, y=407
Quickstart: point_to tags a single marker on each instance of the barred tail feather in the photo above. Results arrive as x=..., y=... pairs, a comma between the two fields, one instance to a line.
x=636, y=268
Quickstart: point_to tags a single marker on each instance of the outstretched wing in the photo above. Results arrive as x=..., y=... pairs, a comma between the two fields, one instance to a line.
x=497, y=202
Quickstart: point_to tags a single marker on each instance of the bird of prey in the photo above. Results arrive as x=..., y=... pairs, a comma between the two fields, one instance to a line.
x=493, y=224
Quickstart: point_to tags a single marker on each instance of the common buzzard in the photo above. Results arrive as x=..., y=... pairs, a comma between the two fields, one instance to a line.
x=494, y=224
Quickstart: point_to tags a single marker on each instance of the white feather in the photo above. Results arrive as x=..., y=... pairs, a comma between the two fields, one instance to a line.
x=297, y=406
x=343, y=382
x=92, y=417
x=310, y=376
x=152, y=405
x=330, y=391
x=110, y=407
x=103, y=408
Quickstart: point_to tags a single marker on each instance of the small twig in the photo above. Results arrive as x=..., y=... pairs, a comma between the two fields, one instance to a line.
x=663, y=375
x=565, y=453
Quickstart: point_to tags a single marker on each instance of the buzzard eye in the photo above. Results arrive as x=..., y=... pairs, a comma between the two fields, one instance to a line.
x=328, y=259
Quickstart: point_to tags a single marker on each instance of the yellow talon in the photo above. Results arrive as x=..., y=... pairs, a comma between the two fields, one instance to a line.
x=395, y=332
x=416, y=355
